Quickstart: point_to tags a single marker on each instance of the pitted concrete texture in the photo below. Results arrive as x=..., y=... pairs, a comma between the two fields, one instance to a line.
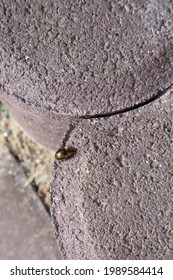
x=65, y=59
x=61, y=52
x=114, y=199
x=25, y=227
x=82, y=57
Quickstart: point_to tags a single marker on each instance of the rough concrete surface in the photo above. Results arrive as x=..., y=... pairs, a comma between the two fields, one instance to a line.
x=115, y=198
x=82, y=58
x=46, y=127
x=61, y=60
x=25, y=227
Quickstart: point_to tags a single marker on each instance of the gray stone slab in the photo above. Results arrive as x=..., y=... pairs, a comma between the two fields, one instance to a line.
x=46, y=127
x=73, y=58
x=114, y=200
x=64, y=51
x=25, y=227
x=63, y=59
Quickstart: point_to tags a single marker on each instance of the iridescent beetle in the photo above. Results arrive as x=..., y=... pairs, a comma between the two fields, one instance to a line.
x=65, y=153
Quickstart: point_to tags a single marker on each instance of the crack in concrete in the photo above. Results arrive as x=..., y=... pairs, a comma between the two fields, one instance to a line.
x=159, y=94
x=68, y=133
x=72, y=126
x=32, y=184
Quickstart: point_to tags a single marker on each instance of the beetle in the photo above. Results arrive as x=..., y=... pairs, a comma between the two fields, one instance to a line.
x=65, y=153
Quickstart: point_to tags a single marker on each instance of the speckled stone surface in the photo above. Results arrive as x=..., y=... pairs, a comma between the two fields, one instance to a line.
x=25, y=227
x=114, y=199
x=64, y=59
x=82, y=57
